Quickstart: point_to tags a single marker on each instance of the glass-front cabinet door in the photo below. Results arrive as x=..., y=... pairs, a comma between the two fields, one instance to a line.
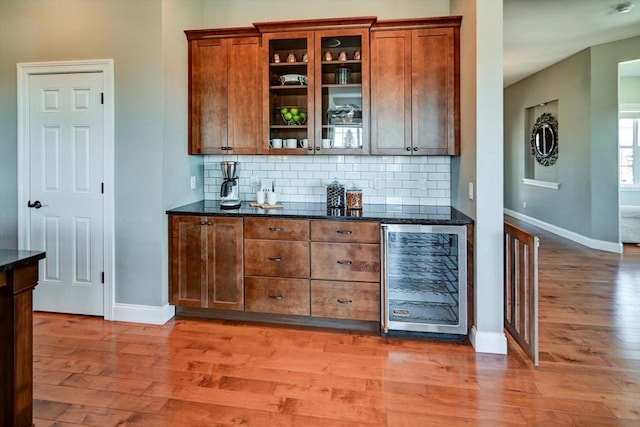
x=342, y=92
x=289, y=111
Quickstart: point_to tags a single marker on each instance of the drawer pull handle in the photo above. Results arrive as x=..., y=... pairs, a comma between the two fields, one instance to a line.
x=344, y=232
x=276, y=297
x=279, y=259
x=276, y=229
x=345, y=301
x=203, y=222
x=345, y=262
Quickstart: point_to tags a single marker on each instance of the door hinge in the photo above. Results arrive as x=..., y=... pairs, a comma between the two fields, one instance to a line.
x=102, y=188
x=102, y=277
x=102, y=98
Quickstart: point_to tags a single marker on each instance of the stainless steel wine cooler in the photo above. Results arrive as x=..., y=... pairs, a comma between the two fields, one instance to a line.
x=424, y=278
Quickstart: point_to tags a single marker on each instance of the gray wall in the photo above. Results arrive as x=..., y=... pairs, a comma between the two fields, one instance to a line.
x=177, y=166
x=131, y=33
x=604, y=134
x=586, y=87
x=567, y=82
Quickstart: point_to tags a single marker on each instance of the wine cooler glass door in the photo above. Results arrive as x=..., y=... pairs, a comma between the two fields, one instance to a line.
x=424, y=278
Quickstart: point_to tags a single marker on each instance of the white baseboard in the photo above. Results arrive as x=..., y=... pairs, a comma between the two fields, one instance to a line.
x=488, y=342
x=600, y=245
x=154, y=315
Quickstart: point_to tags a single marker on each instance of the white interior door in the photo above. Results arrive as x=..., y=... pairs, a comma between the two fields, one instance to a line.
x=66, y=151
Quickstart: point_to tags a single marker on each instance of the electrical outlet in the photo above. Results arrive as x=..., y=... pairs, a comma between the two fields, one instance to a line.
x=471, y=191
x=524, y=205
x=193, y=182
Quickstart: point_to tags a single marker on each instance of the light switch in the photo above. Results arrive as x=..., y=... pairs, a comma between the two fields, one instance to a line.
x=471, y=191
x=193, y=182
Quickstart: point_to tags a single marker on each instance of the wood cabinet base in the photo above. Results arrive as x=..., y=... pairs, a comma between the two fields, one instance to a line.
x=356, y=325
x=16, y=348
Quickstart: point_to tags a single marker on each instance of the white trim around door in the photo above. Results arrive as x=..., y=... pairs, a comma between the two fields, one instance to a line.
x=106, y=67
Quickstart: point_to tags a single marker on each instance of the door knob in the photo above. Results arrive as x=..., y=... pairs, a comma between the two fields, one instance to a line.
x=35, y=204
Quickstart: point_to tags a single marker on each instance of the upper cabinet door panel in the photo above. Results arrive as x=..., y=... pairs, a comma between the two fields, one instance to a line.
x=391, y=92
x=208, y=96
x=433, y=93
x=342, y=76
x=288, y=103
x=244, y=97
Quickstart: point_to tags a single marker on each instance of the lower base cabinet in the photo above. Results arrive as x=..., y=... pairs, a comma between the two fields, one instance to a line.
x=276, y=295
x=206, y=268
x=345, y=300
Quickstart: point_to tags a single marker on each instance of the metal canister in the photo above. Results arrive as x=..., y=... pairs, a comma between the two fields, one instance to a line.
x=343, y=76
x=335, y=195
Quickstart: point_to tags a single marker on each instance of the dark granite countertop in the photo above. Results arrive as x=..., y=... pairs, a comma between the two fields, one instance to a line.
x=10, y=258
x=404, y=214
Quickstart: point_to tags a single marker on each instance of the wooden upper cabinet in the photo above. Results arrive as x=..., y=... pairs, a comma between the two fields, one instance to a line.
x=311, y=50
x=245, y=96
x=391, y=92
x=415, y=87
x=225, y=113
x=402, y=76
x=434, y=92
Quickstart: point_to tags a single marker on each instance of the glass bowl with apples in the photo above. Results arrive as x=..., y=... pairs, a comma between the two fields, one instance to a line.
x=293, y=115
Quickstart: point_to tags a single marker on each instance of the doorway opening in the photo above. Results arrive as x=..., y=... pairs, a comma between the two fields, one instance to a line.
x=629, y=150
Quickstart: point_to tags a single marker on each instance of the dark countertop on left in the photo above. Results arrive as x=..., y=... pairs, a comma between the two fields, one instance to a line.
x=11, y=258
x=404, y=214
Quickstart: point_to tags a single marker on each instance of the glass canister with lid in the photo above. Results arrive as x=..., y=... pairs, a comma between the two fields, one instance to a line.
x=335, y=195
x=354, y=197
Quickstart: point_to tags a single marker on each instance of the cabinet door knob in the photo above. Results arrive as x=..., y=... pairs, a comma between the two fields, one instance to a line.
x=209, y=223
x=317, y=148
x=310, y=148
x=203, y=222
x=278, y=259
x=408, y=148
x=415, y=148
x=345, y=301
x=344, y=262
x=223, y=148
x=229, y=148
x=276, y=297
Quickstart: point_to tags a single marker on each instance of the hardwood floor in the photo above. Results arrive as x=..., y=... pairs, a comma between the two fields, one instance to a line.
x=200, y=373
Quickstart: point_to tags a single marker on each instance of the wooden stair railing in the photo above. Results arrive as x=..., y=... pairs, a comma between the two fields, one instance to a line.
x=521, y=288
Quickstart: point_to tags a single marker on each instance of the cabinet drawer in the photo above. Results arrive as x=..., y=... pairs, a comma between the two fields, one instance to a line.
x=276, y=258
x=345, y=231
x=345, y=261
x=345, y=300
x=280, y=296
x=276, y=229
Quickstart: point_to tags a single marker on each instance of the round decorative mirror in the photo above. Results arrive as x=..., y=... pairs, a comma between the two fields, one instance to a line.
x=544, y=140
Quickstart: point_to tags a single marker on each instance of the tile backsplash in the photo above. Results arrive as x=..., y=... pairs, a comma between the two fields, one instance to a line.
x=419, y=180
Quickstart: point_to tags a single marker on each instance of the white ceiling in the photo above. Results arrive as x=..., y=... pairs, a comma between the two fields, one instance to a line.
x=539, y=33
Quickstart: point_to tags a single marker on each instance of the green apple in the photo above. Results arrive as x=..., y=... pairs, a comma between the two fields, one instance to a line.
x=294, y=111
x=284, y=110
x=287, y=116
